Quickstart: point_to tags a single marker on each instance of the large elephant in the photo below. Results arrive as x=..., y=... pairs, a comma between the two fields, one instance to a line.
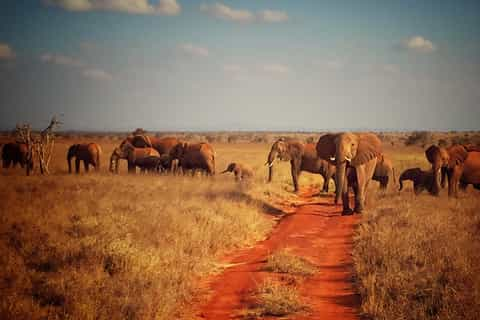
x=452, y=164
x=302, y=157
x=384, y=171
x=197, y=156
x=89, y=153
x=136, y=157
x=439, y=158
x=162, y=145
x=463, y=167
x=13, y=153
x=359, y=151
x=471, y=170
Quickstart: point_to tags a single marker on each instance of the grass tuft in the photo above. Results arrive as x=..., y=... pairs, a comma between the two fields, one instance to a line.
x=273, y=298
x=283, y=261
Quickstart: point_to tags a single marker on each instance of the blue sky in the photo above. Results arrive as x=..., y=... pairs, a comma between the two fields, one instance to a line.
x=240, y=65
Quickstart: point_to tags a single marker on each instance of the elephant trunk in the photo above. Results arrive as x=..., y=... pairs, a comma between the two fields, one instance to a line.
x=400, y=181
x=436, y=179
x=339, y=179
x=271, y=158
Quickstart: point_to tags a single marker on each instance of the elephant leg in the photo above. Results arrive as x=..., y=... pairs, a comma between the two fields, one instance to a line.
x=131, y=168
x=444, y=174
x=477, y=186
x=85, y=165
x=294, y=168
x=463, y=185
x=77, y=165
x=364, y=174
x=345, y=199
x=454, y=181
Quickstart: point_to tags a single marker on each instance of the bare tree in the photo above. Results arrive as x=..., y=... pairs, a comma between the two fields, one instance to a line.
x=40, y=146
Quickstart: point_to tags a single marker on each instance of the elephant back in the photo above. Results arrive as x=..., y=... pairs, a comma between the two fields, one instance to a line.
x=164, y=145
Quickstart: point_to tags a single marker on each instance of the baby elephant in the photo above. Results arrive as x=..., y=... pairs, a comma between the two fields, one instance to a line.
x=421, y=179
x=241, y=171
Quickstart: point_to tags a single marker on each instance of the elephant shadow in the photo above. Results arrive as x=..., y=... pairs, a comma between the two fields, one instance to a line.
x=239, y=196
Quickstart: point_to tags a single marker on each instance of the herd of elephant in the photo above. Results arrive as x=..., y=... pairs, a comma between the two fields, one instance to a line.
x=351, y=159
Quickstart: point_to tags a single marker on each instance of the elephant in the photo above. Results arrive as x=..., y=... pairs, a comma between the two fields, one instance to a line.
x=345, y=150
x=439, y=158
x=384, y=170
x=463, y=173
x=241, y=171
x=302, y=157
x=162, y=145
x=197, y=156
x=134, y=156
x=13, y=153
x=454, y=166
x=89, y=153
x=421, y=179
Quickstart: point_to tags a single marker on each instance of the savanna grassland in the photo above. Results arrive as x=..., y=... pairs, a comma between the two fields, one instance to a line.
x=103, y=246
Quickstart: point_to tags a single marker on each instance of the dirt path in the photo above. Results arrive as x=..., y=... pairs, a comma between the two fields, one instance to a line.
x=316, y=231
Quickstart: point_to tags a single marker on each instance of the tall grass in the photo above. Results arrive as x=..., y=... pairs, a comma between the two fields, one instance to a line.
x=419, y=257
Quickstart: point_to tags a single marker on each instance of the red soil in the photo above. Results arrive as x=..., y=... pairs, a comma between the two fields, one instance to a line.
x=315, y=231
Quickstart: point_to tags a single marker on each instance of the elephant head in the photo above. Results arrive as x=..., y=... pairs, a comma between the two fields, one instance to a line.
x=347, y=149
x=231, y=167
x=72, y=152
x=178, y=151
x=439, y=158
x=125, y=151
x=281, y=149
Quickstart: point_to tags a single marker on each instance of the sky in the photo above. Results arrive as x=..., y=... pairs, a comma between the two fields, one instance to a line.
x=185, y=65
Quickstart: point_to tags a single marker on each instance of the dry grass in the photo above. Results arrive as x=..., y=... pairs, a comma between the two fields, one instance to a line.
x=123, y=247
x=283, y=261
x=419, y=257
x=131, y=247
x=273, y=298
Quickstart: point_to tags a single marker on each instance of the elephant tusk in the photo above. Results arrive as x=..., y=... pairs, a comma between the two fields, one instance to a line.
x=332, y=158
x=348, y=159
x=270, y=164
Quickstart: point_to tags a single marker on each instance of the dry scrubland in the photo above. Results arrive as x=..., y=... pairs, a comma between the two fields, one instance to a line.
x=418, y=257
x=100, y=246
x=114, y=247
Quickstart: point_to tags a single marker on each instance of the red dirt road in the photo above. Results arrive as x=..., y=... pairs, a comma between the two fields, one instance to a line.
x=315, y=231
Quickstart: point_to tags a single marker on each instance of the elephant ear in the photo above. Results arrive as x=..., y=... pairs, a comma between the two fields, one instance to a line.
x=369, y=147
x=326, y=146
x=431, y=153
x=141, y=141
x=458, y=154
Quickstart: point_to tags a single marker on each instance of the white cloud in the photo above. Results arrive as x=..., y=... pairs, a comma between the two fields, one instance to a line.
x=419, y=44
x=63, y=60
x=163, y=7
x=194, y=50
x=97, y=74
x=275, y=68
x=224, y=12
x=82, y=67
x=6, y=52
x=272, y=16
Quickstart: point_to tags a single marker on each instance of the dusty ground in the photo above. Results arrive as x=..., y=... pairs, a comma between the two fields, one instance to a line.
x=314, y=230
